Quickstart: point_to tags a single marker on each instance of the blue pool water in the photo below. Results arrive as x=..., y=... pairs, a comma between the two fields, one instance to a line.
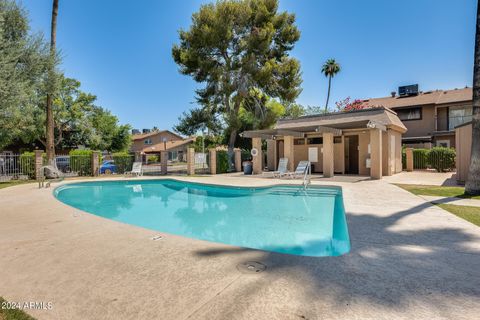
x=283, y=219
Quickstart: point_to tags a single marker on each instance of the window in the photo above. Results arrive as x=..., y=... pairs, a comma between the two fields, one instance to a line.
x=458, y=116
x=410, y=114
x=148, y=141
x=443, y=143
x=299, y=142
x=315, y=140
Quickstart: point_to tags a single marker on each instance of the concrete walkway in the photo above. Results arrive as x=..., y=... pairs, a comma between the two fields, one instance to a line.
x=431, y=178
x=452, y=200
x=409, y=260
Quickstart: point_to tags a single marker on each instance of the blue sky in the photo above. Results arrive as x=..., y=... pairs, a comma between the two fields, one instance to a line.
x=121, y=50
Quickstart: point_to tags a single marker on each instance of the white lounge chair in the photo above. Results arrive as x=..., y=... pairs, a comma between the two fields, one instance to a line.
x=282, y=168
x=136, y=169
x=302, y=167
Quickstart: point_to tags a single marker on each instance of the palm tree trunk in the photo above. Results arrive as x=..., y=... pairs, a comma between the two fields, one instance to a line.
x=328, y=93
x=472, y=185
x=50, y=138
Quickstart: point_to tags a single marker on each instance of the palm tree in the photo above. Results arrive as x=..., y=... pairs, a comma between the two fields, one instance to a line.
x=330, y=69
x=50, y=125
x=472, y=186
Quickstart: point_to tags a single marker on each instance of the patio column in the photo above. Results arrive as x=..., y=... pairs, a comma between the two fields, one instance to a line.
x=213, y=161
x=238, y=160
x=288, y=152
x=409, y=156
x=271, y=154
x=164, y=161
x=38, y=163
x=328, y=165
x=190, y=161
x=257, y=160
x=95, y=163
x=375, y=153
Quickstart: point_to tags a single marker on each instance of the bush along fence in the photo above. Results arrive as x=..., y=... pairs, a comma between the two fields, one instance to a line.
x=438, y=158
x=89, y=163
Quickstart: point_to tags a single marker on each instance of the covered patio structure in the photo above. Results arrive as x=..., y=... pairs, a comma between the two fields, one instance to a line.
x=364, y=142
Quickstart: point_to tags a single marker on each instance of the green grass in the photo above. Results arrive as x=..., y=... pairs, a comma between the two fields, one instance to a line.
x=12, y=314
x=471, y=214
x=437, y=191
x=14, y=183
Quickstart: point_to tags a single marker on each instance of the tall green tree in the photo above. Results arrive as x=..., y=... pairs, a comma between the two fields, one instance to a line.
x=199, y=119
x=330, y=69
x=237, y=49
x=50, y=122
x=23, y=63
x=472, y=185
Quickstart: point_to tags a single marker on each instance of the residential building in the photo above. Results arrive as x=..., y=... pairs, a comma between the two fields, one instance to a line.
x=154, y=142
x=365, y=142
x=430, y=116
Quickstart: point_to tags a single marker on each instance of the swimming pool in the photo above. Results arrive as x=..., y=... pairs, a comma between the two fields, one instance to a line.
x=286, y=219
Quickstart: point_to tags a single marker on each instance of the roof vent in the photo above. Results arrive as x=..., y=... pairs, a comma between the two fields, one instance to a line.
x=406, y=91
x=393, y=93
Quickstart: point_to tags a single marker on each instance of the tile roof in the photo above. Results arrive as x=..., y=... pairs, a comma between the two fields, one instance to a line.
x=427, y=97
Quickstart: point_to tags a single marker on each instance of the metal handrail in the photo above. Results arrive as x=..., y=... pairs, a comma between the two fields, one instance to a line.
x=306, y=176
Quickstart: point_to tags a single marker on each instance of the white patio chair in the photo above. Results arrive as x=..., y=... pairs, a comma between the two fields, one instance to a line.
x=299, y=172
x=282, y=168
x=136, y=170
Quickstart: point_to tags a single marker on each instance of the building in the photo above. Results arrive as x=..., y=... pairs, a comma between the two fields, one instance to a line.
x=154, y=142
x=364, y=142
x=430, y=116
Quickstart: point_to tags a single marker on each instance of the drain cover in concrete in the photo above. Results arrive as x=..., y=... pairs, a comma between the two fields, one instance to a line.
x=251, y=267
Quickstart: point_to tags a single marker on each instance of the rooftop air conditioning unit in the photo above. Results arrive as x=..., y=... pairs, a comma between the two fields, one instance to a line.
x=405, y=91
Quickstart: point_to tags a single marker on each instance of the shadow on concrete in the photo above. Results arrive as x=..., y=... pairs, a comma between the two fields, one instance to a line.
x=384, y=267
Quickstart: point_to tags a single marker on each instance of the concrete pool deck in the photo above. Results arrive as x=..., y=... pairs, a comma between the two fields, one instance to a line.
x=409, y=260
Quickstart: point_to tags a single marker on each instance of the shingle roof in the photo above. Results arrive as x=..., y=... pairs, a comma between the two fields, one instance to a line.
x=170, y=145
x=428, y=97
x=145, y=135
x=345, y=120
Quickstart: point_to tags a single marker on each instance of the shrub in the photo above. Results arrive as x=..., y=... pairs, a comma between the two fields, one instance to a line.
x=420, y=158
x=81, y=162
x=222, y=161
x=152, y=158
x=123, y=161
x=246, y=156
x=27, y=164
x=442, y=159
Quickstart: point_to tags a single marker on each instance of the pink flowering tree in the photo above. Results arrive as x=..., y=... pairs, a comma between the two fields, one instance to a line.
x=348, y=105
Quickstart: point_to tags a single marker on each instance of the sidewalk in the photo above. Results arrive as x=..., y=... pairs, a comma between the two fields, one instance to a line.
x=452, y=200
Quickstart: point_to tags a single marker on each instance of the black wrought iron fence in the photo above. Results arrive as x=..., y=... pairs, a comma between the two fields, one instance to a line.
x=439, y=158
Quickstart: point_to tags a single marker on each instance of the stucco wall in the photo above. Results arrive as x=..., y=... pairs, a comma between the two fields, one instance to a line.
x=423, y=127
x=464, y=145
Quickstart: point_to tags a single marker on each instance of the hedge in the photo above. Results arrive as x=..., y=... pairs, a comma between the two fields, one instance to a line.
x=123, y=161
x=222, y=161
x=442, y=159
x=81, y=162
x=439, y=158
